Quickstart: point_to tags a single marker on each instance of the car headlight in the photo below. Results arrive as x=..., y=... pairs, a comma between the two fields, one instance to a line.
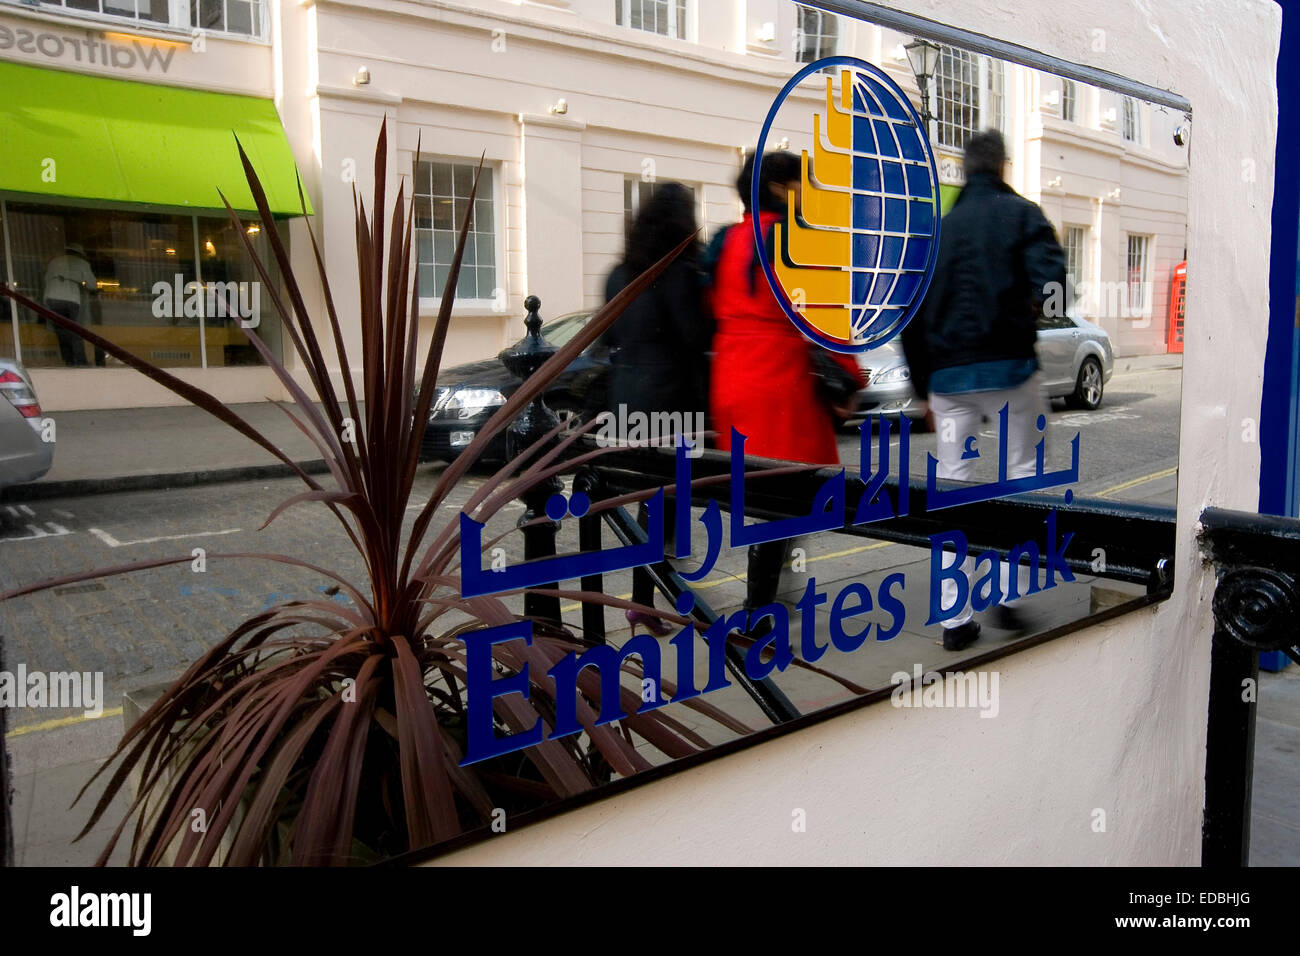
x=899, y=373
x=439, y=399
x=465, y=403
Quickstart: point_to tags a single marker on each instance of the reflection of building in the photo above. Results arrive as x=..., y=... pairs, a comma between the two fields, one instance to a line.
x=116, y=133
x=653, y=90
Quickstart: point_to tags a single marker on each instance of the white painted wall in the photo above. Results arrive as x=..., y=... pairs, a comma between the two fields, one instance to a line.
x=1113, y=717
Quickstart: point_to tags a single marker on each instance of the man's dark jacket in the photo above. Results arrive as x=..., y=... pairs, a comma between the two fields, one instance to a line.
x=998, y=262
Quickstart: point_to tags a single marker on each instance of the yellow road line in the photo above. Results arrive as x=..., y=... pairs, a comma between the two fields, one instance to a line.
x=61, y=722
x=741, y=577
x=1138, y=481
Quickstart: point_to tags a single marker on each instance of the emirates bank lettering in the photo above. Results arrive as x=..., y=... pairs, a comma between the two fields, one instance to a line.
x=91, y=49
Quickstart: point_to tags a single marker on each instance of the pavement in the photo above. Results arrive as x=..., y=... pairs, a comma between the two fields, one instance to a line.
x=122, y=453
x=174, y=446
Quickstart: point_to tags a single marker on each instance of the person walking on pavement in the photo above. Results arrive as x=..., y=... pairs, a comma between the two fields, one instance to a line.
x=66, y=277
x=659, y=345
x=763, y=382
x=971, y=348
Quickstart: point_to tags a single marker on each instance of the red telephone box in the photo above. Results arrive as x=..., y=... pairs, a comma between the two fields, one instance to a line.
x=1177, y=296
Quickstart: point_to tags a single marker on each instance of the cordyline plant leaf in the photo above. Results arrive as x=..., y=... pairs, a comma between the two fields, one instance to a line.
x=322, y=733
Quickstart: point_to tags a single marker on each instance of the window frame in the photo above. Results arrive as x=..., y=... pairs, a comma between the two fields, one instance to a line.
x=1144, y=285
x=1069, y=101
x=1132, y=126
x=1067, y=229
x=680, y=17
x=987, y=98
x=632, y=207
x=180, y=17
x=802, y=10
x=489, y=304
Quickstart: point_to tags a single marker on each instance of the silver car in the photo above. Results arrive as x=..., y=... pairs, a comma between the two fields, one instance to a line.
x=1074, y=357
x=24, y=456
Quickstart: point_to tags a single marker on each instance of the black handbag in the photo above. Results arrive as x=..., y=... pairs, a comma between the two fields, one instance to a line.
x=835, y=384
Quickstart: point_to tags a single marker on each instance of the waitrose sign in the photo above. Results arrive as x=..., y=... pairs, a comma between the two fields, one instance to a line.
x=91, y=49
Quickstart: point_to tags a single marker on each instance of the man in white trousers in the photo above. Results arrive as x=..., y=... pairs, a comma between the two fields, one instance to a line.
x=971, y=347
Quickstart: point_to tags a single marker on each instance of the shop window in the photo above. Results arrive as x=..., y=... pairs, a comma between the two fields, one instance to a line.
x=176, y=290
x=441, y=201
x=664, y=17
x=816, y=36
x=241, y=17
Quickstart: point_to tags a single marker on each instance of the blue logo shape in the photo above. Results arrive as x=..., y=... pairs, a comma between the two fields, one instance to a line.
x=853, y=264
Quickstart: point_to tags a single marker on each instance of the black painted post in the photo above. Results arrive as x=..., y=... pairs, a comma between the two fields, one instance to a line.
x=1229, y=752
x=6, y=829
x=1256, y=604
x=525, y=431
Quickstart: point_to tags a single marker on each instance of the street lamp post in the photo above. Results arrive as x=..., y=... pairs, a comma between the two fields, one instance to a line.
x=923, y=55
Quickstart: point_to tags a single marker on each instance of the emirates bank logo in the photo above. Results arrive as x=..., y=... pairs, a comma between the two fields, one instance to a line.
x=853, y=263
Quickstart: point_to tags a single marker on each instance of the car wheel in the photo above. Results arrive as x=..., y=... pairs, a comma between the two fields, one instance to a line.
x=569, y=415
x=1087, y=387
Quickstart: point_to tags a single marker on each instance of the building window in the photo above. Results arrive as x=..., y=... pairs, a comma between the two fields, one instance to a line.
x=637, y=192
x=995, y=92
x=242, y=17
x=969, y=95
x=816, y=34
x=957, y=92
x=1139, y=284
x=1132, y=120
x=1069, y=101
x=176, y=290
x=441, y=202
x=664, y=17
x=227, y=16
x=1075, y=252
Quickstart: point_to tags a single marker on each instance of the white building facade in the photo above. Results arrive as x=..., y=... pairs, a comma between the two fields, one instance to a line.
x=578, y=108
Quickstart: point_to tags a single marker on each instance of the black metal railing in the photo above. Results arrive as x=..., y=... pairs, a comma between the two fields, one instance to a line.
x=1256, y=607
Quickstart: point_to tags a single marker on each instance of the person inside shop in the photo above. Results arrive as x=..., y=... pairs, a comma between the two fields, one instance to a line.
x=67, y=278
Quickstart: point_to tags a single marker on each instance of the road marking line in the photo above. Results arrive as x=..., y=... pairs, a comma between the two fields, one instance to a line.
x=13, y=512
x=27, y=511
x=741, y=577
x=61, y=722
x=1138, y=481
x=64, y=514
x=40, y=533
x=112, y=542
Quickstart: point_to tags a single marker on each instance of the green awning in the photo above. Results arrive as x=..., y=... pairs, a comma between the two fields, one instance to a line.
x=947, y=196
x=89, y=137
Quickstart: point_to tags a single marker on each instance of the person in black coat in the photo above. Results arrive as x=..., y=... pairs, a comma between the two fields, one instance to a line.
x=659, y=346
x=971, y=347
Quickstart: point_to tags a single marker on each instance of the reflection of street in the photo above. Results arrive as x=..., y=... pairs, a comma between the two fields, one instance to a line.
x=1128, y=446
x=147, y=627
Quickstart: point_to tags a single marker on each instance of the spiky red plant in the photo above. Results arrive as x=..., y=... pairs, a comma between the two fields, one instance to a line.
x=320, y=733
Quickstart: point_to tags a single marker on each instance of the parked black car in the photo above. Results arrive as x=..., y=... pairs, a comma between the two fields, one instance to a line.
x=468, y=395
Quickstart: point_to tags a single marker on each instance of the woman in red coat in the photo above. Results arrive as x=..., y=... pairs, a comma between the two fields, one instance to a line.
x=763, y=383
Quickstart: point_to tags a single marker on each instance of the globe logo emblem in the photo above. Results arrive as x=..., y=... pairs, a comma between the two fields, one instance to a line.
x=851, y=268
